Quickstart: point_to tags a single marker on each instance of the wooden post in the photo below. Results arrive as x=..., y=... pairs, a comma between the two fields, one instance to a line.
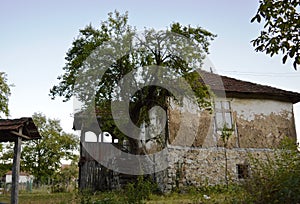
x=16, y=171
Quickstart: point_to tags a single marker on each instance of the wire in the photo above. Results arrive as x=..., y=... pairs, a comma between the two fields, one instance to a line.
x=262, y=74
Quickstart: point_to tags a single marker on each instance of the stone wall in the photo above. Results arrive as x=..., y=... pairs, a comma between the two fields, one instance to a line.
x=202, y=166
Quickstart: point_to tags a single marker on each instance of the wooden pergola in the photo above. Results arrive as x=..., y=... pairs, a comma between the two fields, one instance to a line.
x=17, y=130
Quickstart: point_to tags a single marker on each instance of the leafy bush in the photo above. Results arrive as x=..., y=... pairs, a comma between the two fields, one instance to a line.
x=276, y=180
x=58, y=188
x=140, y=191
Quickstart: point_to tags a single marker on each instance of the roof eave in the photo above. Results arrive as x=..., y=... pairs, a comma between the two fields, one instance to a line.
x=291, y=98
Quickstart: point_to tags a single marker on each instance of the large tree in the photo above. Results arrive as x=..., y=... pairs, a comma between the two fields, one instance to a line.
x=42, y=158
x=124, y=52
x=281, y=30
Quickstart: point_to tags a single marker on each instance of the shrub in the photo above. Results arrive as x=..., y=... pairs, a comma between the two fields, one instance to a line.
x=140, y=191
x=276, y=180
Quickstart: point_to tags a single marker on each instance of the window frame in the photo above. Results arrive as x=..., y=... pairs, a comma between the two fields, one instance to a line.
x=243, y=171
x=224, y=111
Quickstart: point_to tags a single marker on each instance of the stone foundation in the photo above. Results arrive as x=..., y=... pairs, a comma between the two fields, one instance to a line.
x=202, y=166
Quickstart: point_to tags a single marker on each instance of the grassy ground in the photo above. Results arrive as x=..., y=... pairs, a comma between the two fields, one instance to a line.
x=40, y=198
x=190, y=197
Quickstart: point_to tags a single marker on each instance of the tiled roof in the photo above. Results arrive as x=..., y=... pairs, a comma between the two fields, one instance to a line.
x=20, y=174
x=243, y=89
x=224, y=86
x=8, y=125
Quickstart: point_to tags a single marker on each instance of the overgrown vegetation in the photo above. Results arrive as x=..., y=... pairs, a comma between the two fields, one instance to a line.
x=254, y=190
x=65, y=180
x=208, y=194
x=225, y=135
x=140, y=191
x=276, y=180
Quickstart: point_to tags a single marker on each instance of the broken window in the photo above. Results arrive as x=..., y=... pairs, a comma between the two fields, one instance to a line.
x=242, y=171
x=223, y=115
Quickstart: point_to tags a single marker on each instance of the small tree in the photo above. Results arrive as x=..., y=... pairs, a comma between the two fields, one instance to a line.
x=42, y=157
x=225, y=135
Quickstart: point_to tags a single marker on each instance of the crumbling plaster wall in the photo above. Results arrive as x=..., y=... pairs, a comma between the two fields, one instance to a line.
x=195, y=128
x=257, y=123
x=262, y=123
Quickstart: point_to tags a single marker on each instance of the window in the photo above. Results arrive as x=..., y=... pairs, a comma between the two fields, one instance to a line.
x=107, y=138
x=223, y=115
x=90, y=137
x=242, y=171
x=104, y=137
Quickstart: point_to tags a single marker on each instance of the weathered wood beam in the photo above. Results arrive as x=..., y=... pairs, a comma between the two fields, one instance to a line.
x=16, y=171
x=19, y=134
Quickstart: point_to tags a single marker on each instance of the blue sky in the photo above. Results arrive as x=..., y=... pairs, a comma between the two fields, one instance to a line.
x=35, y=35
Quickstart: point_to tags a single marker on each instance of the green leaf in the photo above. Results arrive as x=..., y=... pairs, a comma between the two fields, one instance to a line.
x=292, y=52
x=281, y=28
x=253, y=19
x=258, y=18
x=295, y=65
x=284, y=59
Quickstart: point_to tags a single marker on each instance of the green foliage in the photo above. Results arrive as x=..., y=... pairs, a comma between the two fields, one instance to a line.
x=226, y=134
x=109, y=197
x=6, y=158
x=4, y=168
x=137, y=192
x=180, y=49
x=38, y=198
x=140, y=191
x=4, y=94
x=88, y=39
x=65, y=179
x=276, y=180
x=281, y=29
x=217, y=194
x=42, y=158
x=84, y=197
x=178, y=176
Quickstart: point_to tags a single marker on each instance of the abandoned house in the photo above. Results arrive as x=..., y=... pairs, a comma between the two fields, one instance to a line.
x=258, y=117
